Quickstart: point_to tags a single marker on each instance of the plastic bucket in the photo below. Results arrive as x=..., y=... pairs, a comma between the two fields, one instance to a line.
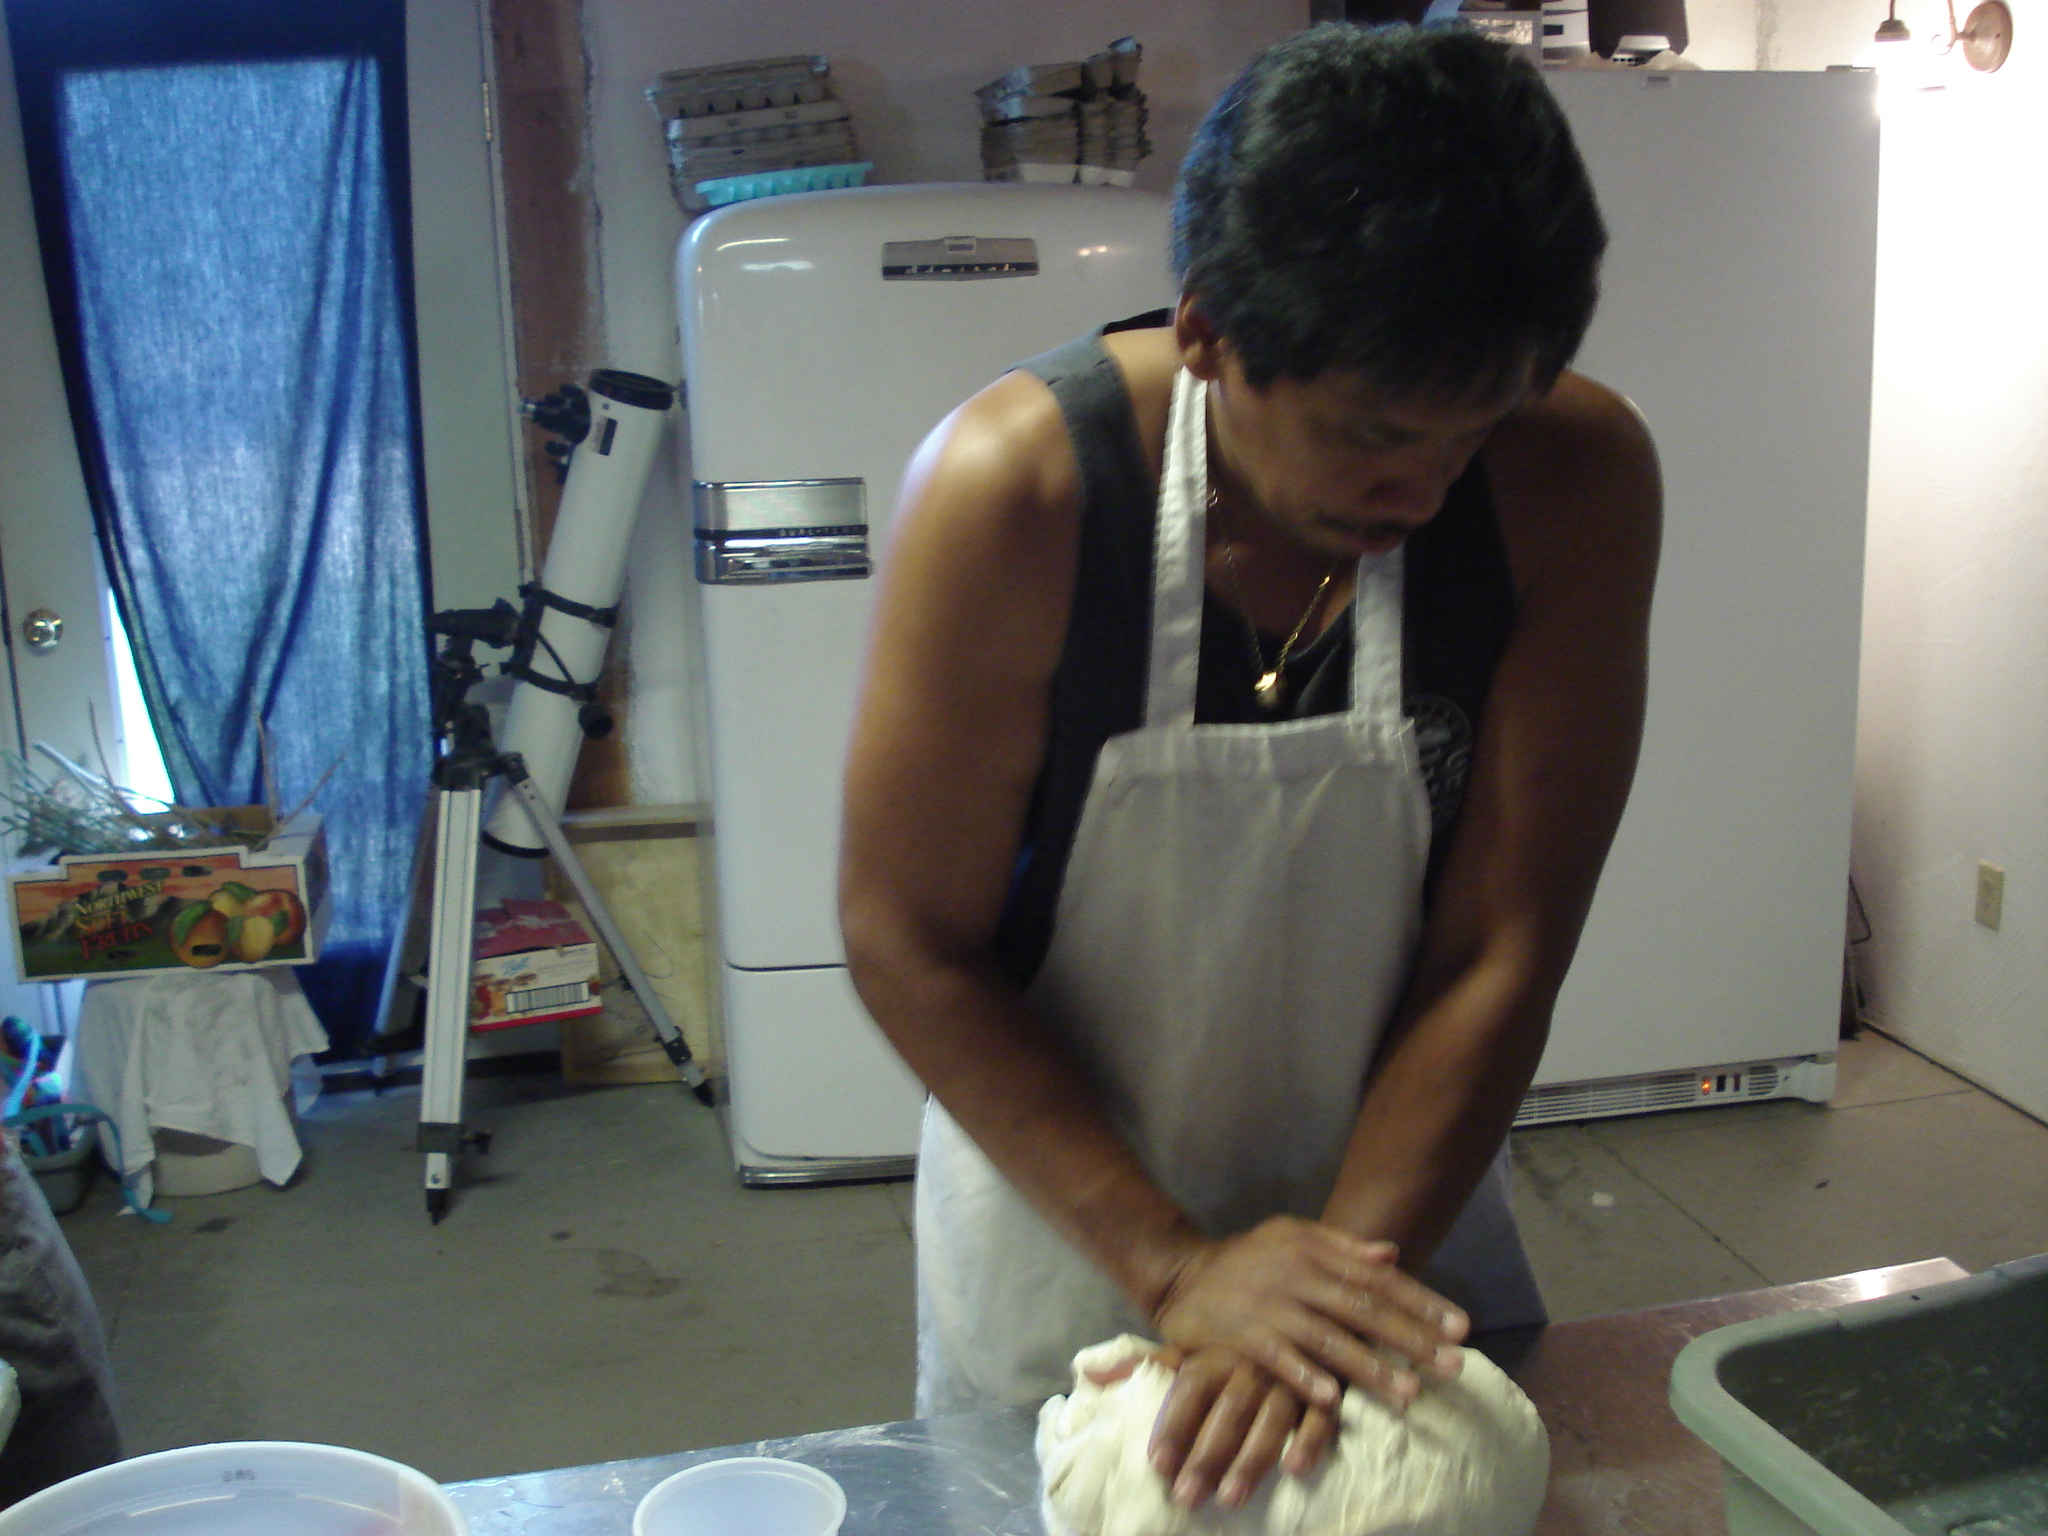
x=1921, y=1414
x=242, y=1488
x=742, y=1496
x=66, y=1177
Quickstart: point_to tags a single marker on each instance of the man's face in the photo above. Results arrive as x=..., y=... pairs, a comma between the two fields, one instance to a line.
x=1342, y=468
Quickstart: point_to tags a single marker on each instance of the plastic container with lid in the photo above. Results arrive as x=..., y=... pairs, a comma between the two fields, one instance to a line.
x=1923, y=1414
x=242, y=1488
x=743, y=1496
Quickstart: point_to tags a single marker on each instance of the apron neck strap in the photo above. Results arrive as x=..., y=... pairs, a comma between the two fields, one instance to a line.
x=1179, y=577
x=1178, y=565
x=1376, y=610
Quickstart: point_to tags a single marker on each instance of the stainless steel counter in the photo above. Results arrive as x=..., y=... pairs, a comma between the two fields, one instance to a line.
x=974, y=1475
x=1621, y=1465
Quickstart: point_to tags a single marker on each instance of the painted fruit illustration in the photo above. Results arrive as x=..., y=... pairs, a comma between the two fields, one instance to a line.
x=285, y=913
x=230, y=900
x=199, y=937
x=250, y=937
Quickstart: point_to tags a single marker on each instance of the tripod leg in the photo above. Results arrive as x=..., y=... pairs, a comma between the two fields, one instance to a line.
x=399, y=998
x=448, y=972
x=601, y=918
x=438, y=1167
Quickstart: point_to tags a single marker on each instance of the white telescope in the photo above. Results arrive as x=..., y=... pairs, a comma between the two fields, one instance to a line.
x=571, y=610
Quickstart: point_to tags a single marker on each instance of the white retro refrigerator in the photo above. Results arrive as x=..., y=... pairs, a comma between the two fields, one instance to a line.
x=825, y=335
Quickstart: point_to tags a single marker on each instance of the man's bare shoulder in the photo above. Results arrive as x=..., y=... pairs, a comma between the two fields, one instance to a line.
x=1575, y=477
x=1148, y=360
x=995, y=491
x=1001, y=457
x=986, y=535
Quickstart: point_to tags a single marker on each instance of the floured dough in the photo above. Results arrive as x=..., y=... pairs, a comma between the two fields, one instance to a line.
x=1468, y=1458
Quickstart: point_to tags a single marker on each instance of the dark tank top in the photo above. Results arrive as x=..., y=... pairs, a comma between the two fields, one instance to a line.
x=1457, y=610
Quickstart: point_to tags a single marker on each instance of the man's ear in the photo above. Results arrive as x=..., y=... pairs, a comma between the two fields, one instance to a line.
x=1201, y=347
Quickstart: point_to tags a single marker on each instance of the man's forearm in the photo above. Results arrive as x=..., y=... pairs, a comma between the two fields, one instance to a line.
x=1441, y=1098
x=973, y=1041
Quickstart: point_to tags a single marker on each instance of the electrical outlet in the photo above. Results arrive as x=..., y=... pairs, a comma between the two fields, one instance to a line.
x=1990, y=894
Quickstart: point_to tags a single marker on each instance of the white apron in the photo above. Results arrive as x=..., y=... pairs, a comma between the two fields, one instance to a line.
x=1236, y=924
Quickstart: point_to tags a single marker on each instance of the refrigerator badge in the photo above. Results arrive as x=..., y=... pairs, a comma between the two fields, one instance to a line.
x=957, y=258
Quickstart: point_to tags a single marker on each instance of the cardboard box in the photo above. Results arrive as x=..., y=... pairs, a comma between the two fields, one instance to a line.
x=230, y=908
x=530, y=962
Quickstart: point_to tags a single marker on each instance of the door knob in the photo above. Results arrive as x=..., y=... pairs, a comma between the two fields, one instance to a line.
x=42, y=630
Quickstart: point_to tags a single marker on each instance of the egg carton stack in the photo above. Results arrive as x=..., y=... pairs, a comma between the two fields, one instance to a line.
x=1067, y=122
x=754, y=129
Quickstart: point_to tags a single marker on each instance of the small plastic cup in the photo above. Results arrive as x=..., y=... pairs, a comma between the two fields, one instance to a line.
x=743, y=1496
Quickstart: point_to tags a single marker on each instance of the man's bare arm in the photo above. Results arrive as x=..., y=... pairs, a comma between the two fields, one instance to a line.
x=1579, y=501
x=947, y=744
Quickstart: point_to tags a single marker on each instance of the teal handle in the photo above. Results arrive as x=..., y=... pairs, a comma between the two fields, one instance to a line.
x=98, y=1117
x=18, y=1091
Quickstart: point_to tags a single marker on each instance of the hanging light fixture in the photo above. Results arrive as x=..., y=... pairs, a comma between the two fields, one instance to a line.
x=1985, y=38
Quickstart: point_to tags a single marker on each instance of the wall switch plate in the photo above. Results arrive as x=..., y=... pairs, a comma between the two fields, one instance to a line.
x=1990, y=894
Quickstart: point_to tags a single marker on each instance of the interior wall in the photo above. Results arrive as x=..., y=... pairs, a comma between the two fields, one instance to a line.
x=1952, y=753
x=1721, y=34
x=907, y=69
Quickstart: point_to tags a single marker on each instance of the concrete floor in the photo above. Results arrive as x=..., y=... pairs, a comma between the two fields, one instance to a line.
x=605, y=1289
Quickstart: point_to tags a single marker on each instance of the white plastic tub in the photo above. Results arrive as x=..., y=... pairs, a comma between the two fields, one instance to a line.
x=242, y=1488
x=741, y=1496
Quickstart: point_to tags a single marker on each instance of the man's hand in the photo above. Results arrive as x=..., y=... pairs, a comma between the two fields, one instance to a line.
x=1225, y=1424
x=1305, y=1303
x=1264, y=1331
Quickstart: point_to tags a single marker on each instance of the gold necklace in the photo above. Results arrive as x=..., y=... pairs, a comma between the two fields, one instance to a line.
x=1271, y=688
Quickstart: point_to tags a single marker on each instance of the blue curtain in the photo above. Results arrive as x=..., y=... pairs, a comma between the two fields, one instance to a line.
x=241, y=331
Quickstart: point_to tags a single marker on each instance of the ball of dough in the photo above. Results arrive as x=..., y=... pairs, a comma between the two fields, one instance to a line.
x=1468, y=1458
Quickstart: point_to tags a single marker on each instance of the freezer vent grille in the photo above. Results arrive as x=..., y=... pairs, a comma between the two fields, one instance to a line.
x=1591, y=1101
x=1642, y=1095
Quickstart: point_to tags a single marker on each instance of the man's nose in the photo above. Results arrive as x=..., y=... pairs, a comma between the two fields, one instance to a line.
x=1411, y=497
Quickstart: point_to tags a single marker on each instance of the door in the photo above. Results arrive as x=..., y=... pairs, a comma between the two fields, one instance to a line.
x=468, y=409
x=48, y=566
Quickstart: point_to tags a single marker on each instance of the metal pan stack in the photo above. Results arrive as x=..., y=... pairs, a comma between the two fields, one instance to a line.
x=734, y=128
x=1082, y=122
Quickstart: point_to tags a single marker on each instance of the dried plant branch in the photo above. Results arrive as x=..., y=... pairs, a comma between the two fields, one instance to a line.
x=317, y=787
x=271, y=800
x=77, y=811
x=117, y=795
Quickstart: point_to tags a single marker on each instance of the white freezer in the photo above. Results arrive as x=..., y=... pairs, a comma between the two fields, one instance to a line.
x=1736, y=314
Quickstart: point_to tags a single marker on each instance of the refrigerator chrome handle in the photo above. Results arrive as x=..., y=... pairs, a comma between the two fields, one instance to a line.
x=751, y=531
x=825, y=554
x=763, y=506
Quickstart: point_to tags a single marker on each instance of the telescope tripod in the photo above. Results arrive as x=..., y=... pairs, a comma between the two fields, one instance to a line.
x=466, y=761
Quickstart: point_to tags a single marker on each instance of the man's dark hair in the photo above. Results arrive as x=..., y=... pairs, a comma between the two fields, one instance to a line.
x=1405, y=203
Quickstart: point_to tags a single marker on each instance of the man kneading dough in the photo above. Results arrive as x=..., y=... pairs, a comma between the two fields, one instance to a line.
x=1253, y=693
